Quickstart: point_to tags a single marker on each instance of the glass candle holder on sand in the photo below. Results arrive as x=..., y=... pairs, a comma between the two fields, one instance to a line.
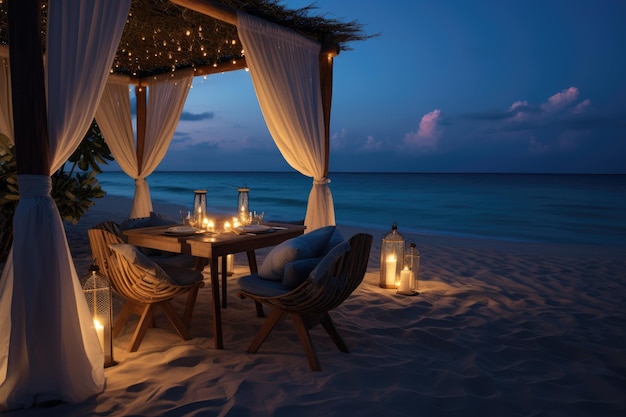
x=391, y=258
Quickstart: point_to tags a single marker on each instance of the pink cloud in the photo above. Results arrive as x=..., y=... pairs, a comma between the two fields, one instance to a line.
x=560, y=100
x=582, y=107
x=428, y=133
x=518, y=104
x=371, y=144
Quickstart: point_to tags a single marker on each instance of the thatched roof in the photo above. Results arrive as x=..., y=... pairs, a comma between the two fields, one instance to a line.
x=161, y=36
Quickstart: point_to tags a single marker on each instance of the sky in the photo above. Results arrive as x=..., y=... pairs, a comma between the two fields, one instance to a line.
x=535, y=86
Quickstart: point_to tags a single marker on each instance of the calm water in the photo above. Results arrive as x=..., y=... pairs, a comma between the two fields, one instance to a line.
x=581, y=209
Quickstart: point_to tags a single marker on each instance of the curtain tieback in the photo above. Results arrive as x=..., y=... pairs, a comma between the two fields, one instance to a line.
x=321, y=181
x=140, y=181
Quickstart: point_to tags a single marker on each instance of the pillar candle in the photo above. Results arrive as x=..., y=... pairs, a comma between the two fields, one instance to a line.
x=100, y=330
x=390, y=274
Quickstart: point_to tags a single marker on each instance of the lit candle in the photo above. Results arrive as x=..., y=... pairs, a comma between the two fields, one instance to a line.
x=226, y=226
x=405, y=281
x=390, y=268
x=211, y=226
x=100, y=330
x=205, y=223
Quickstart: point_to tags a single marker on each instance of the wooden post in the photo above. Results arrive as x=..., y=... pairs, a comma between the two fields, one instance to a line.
x=328, y=52
x=30, y=117
x=140, y=94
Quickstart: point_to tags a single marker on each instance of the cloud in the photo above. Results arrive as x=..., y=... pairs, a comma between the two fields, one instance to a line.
x=428, y=133
x=537, y=147
x=582, y=107
x=560, y=100
x=194, y=117
x=338, y=140
x=371, y=144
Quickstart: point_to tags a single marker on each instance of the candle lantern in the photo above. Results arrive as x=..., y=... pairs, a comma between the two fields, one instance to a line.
x=391, y=258
x=199, y=207
x=412, y=260
x=97, y=290
x=410, y=273
x=242, y=205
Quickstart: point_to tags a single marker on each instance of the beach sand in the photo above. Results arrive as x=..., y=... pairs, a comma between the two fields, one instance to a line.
x=498, y=329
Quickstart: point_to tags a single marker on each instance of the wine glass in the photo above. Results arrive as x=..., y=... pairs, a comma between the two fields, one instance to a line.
x=257, y=218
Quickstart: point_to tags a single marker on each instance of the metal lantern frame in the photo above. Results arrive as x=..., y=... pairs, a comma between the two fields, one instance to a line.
x=99, y=297
x=391, y=258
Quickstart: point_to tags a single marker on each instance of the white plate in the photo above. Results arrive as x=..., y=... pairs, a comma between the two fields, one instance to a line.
x=253, y=228
x=182, y=230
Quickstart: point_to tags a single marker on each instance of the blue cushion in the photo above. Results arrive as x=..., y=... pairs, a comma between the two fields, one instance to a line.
x=308, y=245
x=297, y=271
x=155, y=219
x=334, y=240
x=134, y=256
x=253, y=284
x=179, y=260
x=329, y=259
x=182, y=276
x=135, y=223
x=158, y=219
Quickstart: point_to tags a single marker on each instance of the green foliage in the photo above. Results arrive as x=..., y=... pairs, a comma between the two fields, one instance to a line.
x=73, y=192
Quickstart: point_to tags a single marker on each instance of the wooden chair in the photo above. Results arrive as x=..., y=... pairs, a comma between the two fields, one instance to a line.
x=143, y=293
x=309, y=304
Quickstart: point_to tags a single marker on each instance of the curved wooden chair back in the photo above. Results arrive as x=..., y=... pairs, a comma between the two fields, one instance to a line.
x=141, y=290
x=309, y=303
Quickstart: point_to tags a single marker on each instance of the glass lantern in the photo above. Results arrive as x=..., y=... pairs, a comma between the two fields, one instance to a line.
x=243, y=209
x=412, y=260
x=97, y=290
x=391, y=258
x=410, y=273
x=199, y=207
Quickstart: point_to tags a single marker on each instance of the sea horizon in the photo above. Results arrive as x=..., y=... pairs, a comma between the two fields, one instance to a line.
x=564, y=208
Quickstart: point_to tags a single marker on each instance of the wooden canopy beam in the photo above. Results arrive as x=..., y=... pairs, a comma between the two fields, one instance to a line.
x=210, y=8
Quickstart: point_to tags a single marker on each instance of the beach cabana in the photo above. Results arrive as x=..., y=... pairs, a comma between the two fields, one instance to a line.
x=49, y=350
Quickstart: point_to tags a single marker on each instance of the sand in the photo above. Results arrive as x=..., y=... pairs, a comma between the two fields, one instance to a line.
x=498, y=329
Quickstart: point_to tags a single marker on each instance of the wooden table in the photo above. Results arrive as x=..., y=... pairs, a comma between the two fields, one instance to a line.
x=207, y=248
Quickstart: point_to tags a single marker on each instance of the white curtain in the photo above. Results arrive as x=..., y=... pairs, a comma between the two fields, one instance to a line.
x=50, y=350
x=284, y=67
x=166, y=99
x=6, y=106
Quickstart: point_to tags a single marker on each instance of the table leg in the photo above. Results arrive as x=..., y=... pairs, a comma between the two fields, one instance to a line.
x=217, y=311
x=224, y=280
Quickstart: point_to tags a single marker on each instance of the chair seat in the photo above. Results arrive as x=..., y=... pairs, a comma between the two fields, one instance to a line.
x=254, y=284
x=181, y=260
x=182, y=276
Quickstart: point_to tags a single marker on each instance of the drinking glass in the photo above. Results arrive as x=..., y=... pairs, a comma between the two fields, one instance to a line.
x=257, y=218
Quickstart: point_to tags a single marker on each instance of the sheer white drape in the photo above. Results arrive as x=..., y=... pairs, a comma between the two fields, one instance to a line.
x=284, y=67
x=53, y=352
x=166, y=99
x=6, y=106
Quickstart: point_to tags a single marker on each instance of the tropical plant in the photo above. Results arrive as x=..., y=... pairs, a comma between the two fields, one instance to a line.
x=74, y=185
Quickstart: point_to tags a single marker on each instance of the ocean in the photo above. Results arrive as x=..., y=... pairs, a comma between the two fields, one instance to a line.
x=543, y=208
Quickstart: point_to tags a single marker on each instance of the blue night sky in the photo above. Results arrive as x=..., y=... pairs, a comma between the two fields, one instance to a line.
x=448, y=86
